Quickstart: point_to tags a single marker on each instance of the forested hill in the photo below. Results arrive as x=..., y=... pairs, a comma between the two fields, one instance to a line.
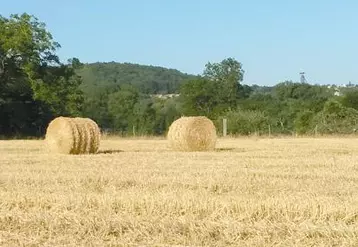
x=148, y=79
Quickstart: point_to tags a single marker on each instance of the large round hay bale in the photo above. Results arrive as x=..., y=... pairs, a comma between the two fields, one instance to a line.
x=90, y=135
x=72, y=136
x=192, y=134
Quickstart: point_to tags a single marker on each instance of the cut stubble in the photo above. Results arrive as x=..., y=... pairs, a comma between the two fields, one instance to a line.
x=248, y=192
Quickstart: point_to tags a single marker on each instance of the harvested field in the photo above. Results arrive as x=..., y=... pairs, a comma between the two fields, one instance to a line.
x=248, y=192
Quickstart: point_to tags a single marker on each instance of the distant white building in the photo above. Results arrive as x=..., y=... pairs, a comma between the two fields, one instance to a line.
x=165, y=96
x=337, y=92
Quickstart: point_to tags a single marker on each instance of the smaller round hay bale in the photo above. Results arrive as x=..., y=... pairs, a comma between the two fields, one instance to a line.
x=192, y=134
x=72, y=136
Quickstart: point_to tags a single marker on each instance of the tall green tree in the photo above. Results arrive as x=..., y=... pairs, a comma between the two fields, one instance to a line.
x=34, y=85
x=199, y=97
x=227, y=75
x=167, y=110
x=58, y=86
x=144, y=119
x=121, y=106
x=25, y=44
x=218, y=90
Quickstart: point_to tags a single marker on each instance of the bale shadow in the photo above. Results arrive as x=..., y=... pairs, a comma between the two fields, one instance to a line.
x=110, y=151
x=224, y=149
x=235, y=150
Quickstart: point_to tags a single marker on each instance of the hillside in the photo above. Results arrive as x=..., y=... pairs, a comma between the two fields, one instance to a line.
x=148, y=79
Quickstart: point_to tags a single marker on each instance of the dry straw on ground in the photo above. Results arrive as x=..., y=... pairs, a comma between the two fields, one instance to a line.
x=248, y=192
x=192, y=134
x=73, y=136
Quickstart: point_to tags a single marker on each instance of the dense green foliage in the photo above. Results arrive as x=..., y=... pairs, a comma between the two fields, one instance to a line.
x=34, y=85
x=132, y=99
x=148, y=79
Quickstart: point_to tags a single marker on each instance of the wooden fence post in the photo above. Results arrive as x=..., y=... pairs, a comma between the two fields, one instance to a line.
x=224, y=127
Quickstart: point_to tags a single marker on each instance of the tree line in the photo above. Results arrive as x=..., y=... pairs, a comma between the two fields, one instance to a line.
x=132, y=99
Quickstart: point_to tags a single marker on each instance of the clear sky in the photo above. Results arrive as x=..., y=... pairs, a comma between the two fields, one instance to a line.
x=273, y=39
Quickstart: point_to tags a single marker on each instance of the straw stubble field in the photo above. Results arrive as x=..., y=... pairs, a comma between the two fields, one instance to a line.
x=248, y=192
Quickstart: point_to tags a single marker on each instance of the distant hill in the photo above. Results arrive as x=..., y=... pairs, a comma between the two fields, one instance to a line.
x=148, y=79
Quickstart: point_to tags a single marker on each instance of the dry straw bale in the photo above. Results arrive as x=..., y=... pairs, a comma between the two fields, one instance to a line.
x=192, y=134
x=90, y=134
x=73, y=136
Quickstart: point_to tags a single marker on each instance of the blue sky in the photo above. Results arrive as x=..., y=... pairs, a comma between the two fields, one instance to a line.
x=274, y=40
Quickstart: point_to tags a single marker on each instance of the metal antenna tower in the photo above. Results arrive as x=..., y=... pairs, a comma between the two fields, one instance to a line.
x=303, y=78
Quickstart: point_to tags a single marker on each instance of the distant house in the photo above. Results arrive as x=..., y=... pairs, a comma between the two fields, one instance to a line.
x=337, y=92
x=165, y=96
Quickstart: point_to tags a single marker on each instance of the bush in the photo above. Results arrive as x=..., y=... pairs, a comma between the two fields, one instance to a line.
x=335, y=118
x=245, y=122
x=304, y=122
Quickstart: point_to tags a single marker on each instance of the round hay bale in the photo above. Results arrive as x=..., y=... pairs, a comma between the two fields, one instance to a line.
x=96, y=136
x=72, y=136
x=76, y=135
x=192, y=134
x=82, y=135
x=61, y=135
x=90, y=134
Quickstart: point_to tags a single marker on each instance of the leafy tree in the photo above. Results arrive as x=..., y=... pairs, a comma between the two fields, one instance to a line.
x=227, y=71
x=25, y=45
x=121, y=105
x=244, y=91
x=303, y=122
x=59, y=88
x=34, y=85
x=336, y=118
x=167, y=110
x=296, y=101
x=96, y=107
x=227, y=75
x=300, y=91
x=144, y=117
x=350, y=99
x=200, y=97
